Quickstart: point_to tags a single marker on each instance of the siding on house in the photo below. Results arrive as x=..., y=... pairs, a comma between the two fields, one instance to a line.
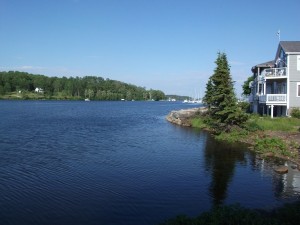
x=294, y=73
x=294, y=78
x=294, y=100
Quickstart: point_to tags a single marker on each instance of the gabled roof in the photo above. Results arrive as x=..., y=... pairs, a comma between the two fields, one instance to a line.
x=268, y=64
x=290, y=46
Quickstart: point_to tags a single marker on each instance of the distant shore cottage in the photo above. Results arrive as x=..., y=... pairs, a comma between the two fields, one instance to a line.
x=276, y=86
x=38, y=90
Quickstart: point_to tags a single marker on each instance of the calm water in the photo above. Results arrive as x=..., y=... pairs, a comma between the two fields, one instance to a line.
x=122, y=163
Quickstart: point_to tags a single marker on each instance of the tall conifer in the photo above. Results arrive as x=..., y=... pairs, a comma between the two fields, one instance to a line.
x=220, y=96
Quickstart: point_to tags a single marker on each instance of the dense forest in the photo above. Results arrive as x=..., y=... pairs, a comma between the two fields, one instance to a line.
x=14, y=84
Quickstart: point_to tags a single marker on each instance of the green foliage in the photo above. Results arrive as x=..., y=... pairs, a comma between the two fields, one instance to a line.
x=221, y=99
x=71, y=88
x=256, y=122
x=235, y=135
x=296, y=113
x=246, y=88
x=252, y=126
x=198, y=123
x=245, y=106
x=207, y=98
x=274, y=145
x=288, y=214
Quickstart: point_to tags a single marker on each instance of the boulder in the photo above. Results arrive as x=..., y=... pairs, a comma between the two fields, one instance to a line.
x=268, y=154
x=281, y=169
x=294, y=166
x=182, y=117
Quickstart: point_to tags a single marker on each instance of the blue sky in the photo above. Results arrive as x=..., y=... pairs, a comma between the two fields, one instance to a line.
x=170, y=45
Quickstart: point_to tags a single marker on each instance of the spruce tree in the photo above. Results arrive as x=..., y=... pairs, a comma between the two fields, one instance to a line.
x=220, y=96
x=207, y=99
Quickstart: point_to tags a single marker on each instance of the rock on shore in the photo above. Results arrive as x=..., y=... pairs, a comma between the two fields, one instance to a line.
x=182, y=117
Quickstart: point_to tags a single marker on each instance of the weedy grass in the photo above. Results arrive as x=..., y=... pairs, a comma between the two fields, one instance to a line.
x=234, y=135
x=198, y=122
x=289, y=124
x=274, y=145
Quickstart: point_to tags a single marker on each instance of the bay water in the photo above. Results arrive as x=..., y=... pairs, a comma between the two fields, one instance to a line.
x=76, y=162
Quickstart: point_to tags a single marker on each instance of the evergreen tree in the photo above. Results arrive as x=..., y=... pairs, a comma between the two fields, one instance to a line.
x=220, y=97
x=207, y=99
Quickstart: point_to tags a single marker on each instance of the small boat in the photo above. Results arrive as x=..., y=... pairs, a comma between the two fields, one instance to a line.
x=87, y=99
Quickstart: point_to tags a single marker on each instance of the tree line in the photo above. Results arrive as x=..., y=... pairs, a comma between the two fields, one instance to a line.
x=92, y=87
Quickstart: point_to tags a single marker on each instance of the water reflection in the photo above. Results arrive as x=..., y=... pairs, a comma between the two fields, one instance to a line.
x=220, y=161
x=285, y=186
x=223, y=161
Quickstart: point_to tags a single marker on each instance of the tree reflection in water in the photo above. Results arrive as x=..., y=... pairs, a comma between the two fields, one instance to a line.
x=220, y=162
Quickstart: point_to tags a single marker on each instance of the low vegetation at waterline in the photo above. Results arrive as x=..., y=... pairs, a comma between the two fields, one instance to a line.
x=288, y=214
x=278, y=136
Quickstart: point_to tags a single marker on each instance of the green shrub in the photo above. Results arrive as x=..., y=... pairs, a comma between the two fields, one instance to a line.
x=245, y=106
x=274, y=145
x=235, y=135
x=296, y=113
x=198, y=122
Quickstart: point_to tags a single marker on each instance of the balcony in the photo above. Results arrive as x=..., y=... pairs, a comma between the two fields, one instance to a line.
x=273, y=99
x=275, y=72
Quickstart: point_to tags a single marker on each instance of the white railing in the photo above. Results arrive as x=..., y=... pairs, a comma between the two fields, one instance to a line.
x=273, y=99
x=275, y=72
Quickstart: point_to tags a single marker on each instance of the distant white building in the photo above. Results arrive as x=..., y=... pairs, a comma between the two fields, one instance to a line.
x=276, y=86
x=38, y=90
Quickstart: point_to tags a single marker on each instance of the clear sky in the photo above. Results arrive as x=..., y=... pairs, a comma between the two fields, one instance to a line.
x=170, y=45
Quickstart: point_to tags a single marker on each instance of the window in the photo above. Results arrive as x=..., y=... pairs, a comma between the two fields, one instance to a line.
x=298, y=89
x=298, y=62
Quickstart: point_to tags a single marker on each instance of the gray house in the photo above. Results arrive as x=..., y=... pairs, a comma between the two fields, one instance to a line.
x=276, y=86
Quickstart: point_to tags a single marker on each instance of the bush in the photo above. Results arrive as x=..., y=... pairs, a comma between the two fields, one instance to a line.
x=245, y=106
x=296, y=113
x=274, y=145
x=198, y=122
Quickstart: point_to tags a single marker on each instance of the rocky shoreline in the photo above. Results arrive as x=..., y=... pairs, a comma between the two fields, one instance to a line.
x=183, y=117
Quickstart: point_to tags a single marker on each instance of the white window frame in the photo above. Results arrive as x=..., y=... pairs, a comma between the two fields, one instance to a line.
x=298, y=62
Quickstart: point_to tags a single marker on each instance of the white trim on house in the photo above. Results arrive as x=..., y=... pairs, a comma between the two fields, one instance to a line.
x=288, y=84
x=293, y=53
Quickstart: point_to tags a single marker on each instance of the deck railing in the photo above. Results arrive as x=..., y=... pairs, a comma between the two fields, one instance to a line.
x=273, y=99
x=275, y=72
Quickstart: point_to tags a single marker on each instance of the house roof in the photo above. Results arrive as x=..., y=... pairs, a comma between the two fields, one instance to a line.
x=266, y=64
x=263, y=65
x=290, y=46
